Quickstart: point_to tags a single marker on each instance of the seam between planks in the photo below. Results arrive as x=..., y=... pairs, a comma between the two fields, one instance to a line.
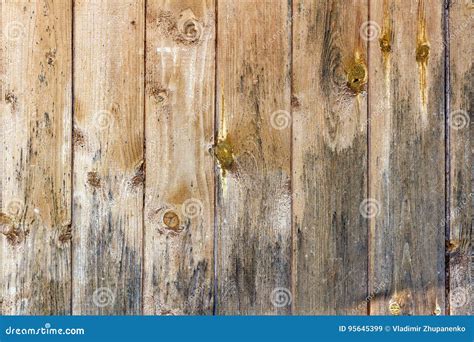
x=71, y=311
x=369, y=43
x=447, y=163
x=293, y=230
x=214, y=168
x=144, y=158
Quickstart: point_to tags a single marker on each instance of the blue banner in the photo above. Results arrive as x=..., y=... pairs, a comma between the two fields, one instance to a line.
x=237, y=328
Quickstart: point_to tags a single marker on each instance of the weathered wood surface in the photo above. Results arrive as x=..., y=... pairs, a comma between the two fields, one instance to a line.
x=329, y=157
x=236, y=157
x=253, y=204
x=179, y=196
x=108, y=156
x=407, y=158
x=35, y=145
x=461, y=139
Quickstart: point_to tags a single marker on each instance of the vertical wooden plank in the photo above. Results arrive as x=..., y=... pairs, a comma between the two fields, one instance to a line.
x=108, y=156
x=461, y=134
x=329, y=156
x=35, y=144
x=407, y=157
x=179, y=200
x=253, y=210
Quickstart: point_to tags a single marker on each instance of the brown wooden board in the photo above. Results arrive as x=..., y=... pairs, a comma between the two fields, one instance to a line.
x=329, y=157
x=108, y=156
x=407, y=158
x=461, y=135
x=179, y=198
x=35, y=155
x=253, y=204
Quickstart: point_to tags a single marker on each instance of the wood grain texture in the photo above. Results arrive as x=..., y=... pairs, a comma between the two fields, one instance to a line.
x=35, y=144
x=204, y=157
x=179, y=201
x=108, y=156
x=461, y=134
x=329, y=157
x=253, y=204
x=407, y=158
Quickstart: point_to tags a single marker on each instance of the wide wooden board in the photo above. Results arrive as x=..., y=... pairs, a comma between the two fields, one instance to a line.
x=35, y=155
x=108, y=156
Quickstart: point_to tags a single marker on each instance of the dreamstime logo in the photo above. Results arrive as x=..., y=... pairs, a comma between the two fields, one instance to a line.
x=103, y=297
x=369, y=30
x=459, y=297
x=369, y=208
x=459, y=119
x=15, y=207
x=280, y=119
x=281, y=297
x=14, y=30
x=192, y=208
x=104, y=119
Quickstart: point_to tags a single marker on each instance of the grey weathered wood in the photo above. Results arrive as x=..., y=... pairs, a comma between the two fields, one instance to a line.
x=35, y=145
x=253, y=204
x=108, y=156
x=329, y=157
x=407, y=158
x=179, y=212
x=461, y=138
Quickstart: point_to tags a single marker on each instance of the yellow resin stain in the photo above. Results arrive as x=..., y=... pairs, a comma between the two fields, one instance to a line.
x=422, y=55
x=394, y=308
x=223, y=151
x=385, y=42
x=357, y=74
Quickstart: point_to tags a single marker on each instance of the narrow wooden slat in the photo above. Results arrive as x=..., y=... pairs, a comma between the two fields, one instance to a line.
x=179, y=200
x=35, y=145
x=329, y=156
x=108, y=156
x=407, y=158
x=461, y=106
x=253, y=211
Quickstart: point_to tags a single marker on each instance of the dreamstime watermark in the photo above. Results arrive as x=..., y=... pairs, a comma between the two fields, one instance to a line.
x=459, y=119
x=281, y=297
x=192, y=208
x=46, y=330
x=458, y=297
x=104, y=119
x=15, y=207
x=379, y=288
x=369, y=208
x=280, y=119
x=102, y=297
x=14, y=30
x=369, y=30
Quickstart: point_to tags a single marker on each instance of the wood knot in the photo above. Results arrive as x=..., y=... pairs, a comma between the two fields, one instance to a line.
x=422, y=52
x=66, y=234
x=189, y=28
x=11, y=98
x=93, y=179
x=171, y=220
x=78, y=138
x=394, y=308
x=139, y=176
x=357, y=76
x=50, y=57
x=159, y=94
x=295, y=103
x=223, y=151
x=385, y=44
x=15, y=236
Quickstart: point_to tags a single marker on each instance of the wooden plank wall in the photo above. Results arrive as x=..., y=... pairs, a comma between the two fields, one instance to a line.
x=407, y=158
x=205, y=157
